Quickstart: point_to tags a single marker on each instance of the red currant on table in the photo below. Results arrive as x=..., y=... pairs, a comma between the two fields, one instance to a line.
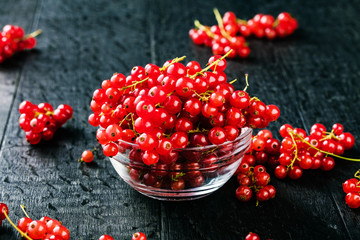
x=138, y=236
x=106, y=237
x=87, y=156
x=352, y=189
x=252, y=236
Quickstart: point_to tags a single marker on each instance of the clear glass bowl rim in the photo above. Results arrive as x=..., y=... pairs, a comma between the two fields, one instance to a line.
x=247, y=130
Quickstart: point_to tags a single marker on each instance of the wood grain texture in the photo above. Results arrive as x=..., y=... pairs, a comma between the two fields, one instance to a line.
x=312, y=76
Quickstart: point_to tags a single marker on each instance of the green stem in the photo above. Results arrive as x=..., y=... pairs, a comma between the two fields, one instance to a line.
x=23, y=209
x=204, y=28
x=319, y=150
x=12, y=224
x=247, y=82
x=220, y=23
x=212, y=64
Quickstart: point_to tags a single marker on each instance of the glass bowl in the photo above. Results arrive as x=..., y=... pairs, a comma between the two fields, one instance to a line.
x=185, y=174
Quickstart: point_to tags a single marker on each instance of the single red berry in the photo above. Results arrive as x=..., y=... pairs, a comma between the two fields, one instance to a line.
x=347, y=140
x=263, y=195
x=252, y=236
x=351, y=185
x=106, y=237
x=36, y=229
x=280, y=172
x=23, y=223
x=150, y=157
x=3, y=208
x=87, y=156
x=243, y=193
x=61, y=231
x=217, y=135
x=353, y=200
x=295, y=173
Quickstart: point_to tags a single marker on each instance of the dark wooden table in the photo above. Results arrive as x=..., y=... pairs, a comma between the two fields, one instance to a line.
x=313, y=76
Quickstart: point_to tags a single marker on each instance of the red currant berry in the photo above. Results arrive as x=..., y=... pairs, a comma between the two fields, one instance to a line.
x=243, y=193
x=106, y=237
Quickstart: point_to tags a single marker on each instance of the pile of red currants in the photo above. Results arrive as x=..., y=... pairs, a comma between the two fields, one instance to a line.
x=352, y=189
x=13, y=39
x=41, y=121
x=173, y=106
x=230, y=32
x=165, y=109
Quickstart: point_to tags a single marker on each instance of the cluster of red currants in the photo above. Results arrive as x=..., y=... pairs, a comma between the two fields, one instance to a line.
x=13, y=39
x=41, y=121
x=262, y=25
x=219, y=37
x=264, y=149
x=254, y=179
x=299, y=151
x=161, y=108
x=352, y=189
x=45, y=229
x=224, y=36
x=135, y=236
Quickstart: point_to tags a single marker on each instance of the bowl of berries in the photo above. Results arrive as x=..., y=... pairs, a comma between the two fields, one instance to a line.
x=176, y=132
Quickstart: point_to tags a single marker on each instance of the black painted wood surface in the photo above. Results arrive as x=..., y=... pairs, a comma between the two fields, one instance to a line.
x=313, y=76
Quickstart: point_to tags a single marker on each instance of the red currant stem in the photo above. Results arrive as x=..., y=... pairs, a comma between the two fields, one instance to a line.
x=133, y=124
x=330, y=135
x=12, y=224
x=134, y=84
x=32, y=35
x=295, y=154
x=212, y=64
x=23, y=209
x=357, y=175
x=176, y=178
x=328, y=153
x=221, y=25
x=48, y=113
x=124, y=119
x=204, y=96
x=175, y=60
x=80, y=160
x=254, y=99
x=209, y=151
x=247, y=82
x=275, y=23
x=204, y=28
x=241, y=21
x=232, y=82
x=198, y=130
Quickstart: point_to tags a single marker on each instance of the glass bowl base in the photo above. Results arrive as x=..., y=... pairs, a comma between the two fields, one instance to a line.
x=210, y=186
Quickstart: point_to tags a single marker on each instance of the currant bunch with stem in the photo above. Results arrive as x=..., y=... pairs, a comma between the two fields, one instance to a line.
x=13, y=39
x=41, y=121
x=300, y=151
